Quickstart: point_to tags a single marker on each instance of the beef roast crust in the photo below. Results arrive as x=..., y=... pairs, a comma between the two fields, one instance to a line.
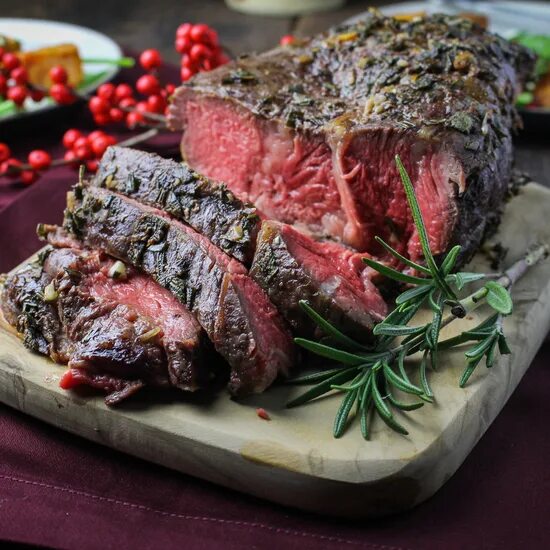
x=237, y=315
x=101, y=337
x=209, y=207
x=439, y=90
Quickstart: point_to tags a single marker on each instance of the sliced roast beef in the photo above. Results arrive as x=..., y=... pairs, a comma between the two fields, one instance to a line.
x=235, y=312
x=209, y=207
x=291, y=267
x=79, y=308
x=309, y=132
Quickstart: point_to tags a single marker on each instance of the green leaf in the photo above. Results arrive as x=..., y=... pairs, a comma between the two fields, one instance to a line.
x=479, y=349
x=314, y=377
x=328, y=328
x=124, y=62
x=396, y=330
x=450, y=259
x=428, y=393
x=503, y=345
x=330, y=352
x=461, y=279
x=7, y=107
x=468, y=371
x=405, y=406
x=400, y=383
x=421, y=230
x=343, y=413
x=92, y=78
x=394, y=274
x=322, y=388
x=525, y=98
x=414, y=294
x=401, y=258
x=498, y=298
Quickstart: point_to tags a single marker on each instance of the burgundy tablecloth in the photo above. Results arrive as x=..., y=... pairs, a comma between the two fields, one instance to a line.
x=59, y=490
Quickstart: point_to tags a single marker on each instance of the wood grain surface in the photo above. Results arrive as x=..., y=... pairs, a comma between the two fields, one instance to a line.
x=293, y=459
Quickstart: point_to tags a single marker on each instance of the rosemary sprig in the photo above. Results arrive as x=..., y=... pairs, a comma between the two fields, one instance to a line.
x=369, y=378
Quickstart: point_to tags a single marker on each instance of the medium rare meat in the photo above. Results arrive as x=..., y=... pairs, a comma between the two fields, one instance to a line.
x=68, y=307
x=309, y=132
x=235, y=312
x=291, y=267
x=206, y=206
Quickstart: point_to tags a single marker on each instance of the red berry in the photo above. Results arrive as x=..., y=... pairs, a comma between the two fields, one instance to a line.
x=83, y=152
x=150, y=59
x=127, y=102
x=156, y=104
x=186, y=74
x=10, y=61
x=94, y=135
x=3, y=85
x=184, y=29
x=70, y=157
x=133, y=119
x=102, y=119
x=37, y=95
x=116, y=115
x=58, y=74
x=92, y=165
x=203, y=33
x=69, y=138
x=39, y=160
x=142, y=107
x=61, y=94
x=4, y=152
x=69, y=380
x=98, y=105
x=17, y=94
x=183, y=44
x=28, y=176
x=123, y=91
x=199, y=52
x=19, y=75
x=107, y=91
x=187, y=62
x=286, y=40
x=10, y=167
x=148, y=85
x=82, y=141
x=170, y=88
x=99, y=145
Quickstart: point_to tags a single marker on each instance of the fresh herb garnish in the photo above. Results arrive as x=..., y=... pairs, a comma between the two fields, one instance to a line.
x=368, y=378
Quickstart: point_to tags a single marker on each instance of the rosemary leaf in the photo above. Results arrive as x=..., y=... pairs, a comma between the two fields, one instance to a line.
x=428, y=394
x=328, y=328
x=322, y=388
x=314, y=377
x=421, y=230
x=330, y=352
x=405, y=406
x=468, y=372
x=401, y=258
x=414, y=293
x=450, y=259
x=394, y=274
x=396, y=330
x=400, y=383
x=343, y=413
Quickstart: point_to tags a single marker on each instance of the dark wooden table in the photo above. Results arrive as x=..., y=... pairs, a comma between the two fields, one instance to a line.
x=145, y=23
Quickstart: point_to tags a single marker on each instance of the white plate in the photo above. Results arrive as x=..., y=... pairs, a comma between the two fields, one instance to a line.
x=36, y=33
x=505, y=18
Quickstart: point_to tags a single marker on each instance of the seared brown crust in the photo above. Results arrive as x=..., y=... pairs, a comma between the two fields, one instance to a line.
x=441, y=81
x=172, y=186
x=239, y=319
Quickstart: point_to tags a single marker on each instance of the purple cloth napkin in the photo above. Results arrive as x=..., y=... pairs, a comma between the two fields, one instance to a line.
x=61, y=491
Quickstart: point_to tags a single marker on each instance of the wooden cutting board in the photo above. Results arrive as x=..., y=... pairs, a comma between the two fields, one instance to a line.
x=293, y=458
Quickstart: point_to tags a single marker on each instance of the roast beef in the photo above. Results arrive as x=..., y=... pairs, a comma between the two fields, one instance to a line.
x=206, y=206
x=291, y=267
x=67, y=306
x=309, y=132
x=235, y=312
